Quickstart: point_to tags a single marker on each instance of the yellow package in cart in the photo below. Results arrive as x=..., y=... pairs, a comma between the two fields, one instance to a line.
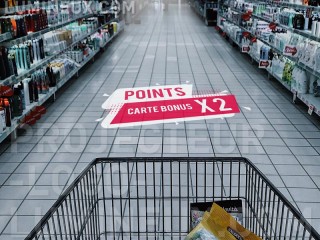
x=218, y=224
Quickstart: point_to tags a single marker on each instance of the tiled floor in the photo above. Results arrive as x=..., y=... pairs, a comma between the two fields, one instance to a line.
x=166, y=48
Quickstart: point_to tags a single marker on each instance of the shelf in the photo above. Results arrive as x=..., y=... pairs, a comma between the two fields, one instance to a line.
x=301, y=65
x=309, y=100
x=279, y=78
x=11, y=10
x=5, y=37
x=304, y=33
x=287, y=4
x=16, y=79
x=16, y=121
x=110, y=39
x=40, y=33
x=44, y=97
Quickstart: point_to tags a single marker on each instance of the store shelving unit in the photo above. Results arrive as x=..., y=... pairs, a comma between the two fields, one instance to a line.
x=207, y=10
x=308, y=99
x=52, y=91
x=41, y=64
x=6, y=40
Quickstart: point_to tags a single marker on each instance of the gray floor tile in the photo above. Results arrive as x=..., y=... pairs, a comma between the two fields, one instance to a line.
x=314, y=142
x=14, y=192
x=291, y=170
x=25, y=179
x=309, y=160
x=101, y=140
x=272, y=142
x=174, y=140
x=98, y=149
x=298, y=182
x=312, y=170
x=284, y=159
x=52, y=139
x=71, y=148
x=44, y=192
x=176, y=149
x=305, y=195
x=288, y=134
x=296, y=142
x=12, y=157
x=20, y=148
x=9, y=207
x=38, y=157
x=311, y=134
x=8, y=167
x=3, y=178
x=59, y=168
x=277, y=150
x=258, y=159
x=46, y=148
x=251, y=150
x=4, y=221
x=30, y=168
x=304, y=151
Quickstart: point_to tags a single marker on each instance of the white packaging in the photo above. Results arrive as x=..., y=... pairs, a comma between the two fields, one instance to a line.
x=2, y=120
x=26, y=91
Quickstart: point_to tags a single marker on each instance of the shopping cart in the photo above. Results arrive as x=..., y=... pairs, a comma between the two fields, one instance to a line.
x=149, y=198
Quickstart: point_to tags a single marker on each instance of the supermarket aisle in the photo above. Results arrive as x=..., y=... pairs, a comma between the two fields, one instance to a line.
x=167, y=48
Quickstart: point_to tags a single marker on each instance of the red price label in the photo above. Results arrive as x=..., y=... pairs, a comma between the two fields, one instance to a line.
x=35, y=115
x=6, y=91
x=41, y=109
x=29, y=120
x=272, y=26
x=311, y=109
x=264, y=63
x=246, y=34
x=290, y=50
x=245, y=49
x=246, y=16
x=253, y=39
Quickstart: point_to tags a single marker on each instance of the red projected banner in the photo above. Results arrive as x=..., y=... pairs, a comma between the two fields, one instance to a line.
x=183, y=109
x=165, y=104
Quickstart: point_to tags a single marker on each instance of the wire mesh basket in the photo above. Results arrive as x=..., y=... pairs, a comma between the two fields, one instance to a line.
x=149, y=198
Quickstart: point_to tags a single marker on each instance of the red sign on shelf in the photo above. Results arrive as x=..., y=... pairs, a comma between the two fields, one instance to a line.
x=310, y=110
x=29, y=120
x=290, y=50
x=272, y=26
x=246, y=34
x=264, y=63
x=6, y=91
x=245, y=49
x=41, y=109
x=253, y=39
x=35, y=115
x=246, y=16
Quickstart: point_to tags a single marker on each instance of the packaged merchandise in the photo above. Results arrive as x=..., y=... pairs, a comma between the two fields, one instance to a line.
x=3, y=124
x=287, y=72
x=233, y=207
x=220, y=225
x=316, y=88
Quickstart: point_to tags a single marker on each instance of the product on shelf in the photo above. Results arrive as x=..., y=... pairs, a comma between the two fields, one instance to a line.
x=25, y=22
